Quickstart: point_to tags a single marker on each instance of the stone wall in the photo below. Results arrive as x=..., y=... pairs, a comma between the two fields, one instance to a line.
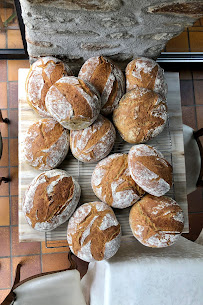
x=78, y=29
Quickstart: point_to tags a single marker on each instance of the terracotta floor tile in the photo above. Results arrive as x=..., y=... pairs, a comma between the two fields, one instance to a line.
x=3, y=69
x=3, y=126
x=14, y=180
x=13, y=94
x=3, y=95
x=56, y=247
x=186, y=90
x=2, y=40
x=4, y=157
x=198, y=88
x=5, y=273
x=201, y=21
x=197, y=74
x=3, y=294
x=195, y=29
x=195, y=201
x=196, y=41
x=31, y=265
x=4, y=211
x=185, y=74
x=4, y=241
x=54, y=262
x=14, y=210
x=14, y=39
x=197, y=23
x=178, y=44
x=199, y=110
x=13, y=66
x=13, y=152
x=13, y=116
x=188, y=113
x=195, y=224
x=4, y=187
x=23, y=248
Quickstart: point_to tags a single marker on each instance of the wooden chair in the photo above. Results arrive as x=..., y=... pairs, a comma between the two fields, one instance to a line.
x=6, y=121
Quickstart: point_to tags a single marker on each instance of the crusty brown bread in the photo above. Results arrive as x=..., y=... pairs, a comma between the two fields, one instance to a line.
x=156, y=221
x=107, y=78
x=93, y=232
x=140, y=115
x=50, y=199
x=41, y=76
x=145, y=73
x=74, y=103
x=112, y=183
x=46, y=144
x=94, y=142
x=149, y=169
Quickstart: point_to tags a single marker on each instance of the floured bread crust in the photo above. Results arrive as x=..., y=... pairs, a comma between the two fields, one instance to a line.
x=156, y=221
x=149, y=169
x=145, y=73
x=140, y=115
x=93, y=232
x=50, y=200
x=112, y=183
x=74, y=103
x=107, y=78
x=94, y=142
x=46, y=144
x=41, y=76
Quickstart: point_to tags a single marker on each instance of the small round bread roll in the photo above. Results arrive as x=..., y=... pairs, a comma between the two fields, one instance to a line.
x=74, y=103
x=149, y=169
x=94, y=142
x=146, y=73
x=50, y=199
x=41, y=76
x=156, y=221
x=107, y=78
x=46, y=144
x=140, y=115
x=112, y=183
x=93, y=232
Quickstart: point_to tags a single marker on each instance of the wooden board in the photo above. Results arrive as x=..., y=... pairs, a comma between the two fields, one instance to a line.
x=170, y=142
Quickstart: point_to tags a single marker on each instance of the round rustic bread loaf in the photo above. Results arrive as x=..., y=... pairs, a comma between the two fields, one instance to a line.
x=74, y=103
x=94, y=142
x=149, y=169
x=50, y=199
x=46, y=144
x=112, y=183
x=93, y=232
x=41, y=76
x=146, y=73
x=107, y=78
x=156, y=221
x=140, y=115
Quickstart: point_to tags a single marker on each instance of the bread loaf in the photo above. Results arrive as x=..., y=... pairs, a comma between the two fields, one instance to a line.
x=145, y=73
x=112, y=183
x=107, y=78
x=46, y=144
x=50, y=199
x=93, y=232
x=94, y=142
x=149, y=169
x=41, y=76
x=140, y=115
x=156, y=221
x=74, y=103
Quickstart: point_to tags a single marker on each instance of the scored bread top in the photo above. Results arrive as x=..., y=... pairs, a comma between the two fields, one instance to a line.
x=146, y=73
x=50, y=199
x=156, y=221
x=112, y=183
x=41, y=76
x=94, y=142
x=107, y=78
x=149, y=169
x=140, y=115
x=74, y=103
x=46, y=144
x=93, y=232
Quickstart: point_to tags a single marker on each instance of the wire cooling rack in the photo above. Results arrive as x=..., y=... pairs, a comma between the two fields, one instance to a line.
x=82, y=172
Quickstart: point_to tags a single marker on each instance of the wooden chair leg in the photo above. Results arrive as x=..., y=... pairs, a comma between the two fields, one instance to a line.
x=6, y=120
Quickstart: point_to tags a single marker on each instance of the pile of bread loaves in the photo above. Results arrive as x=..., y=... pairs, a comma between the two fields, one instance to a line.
x=138, y=179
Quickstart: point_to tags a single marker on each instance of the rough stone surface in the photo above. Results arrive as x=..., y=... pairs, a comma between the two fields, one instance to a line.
x=75, y=30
